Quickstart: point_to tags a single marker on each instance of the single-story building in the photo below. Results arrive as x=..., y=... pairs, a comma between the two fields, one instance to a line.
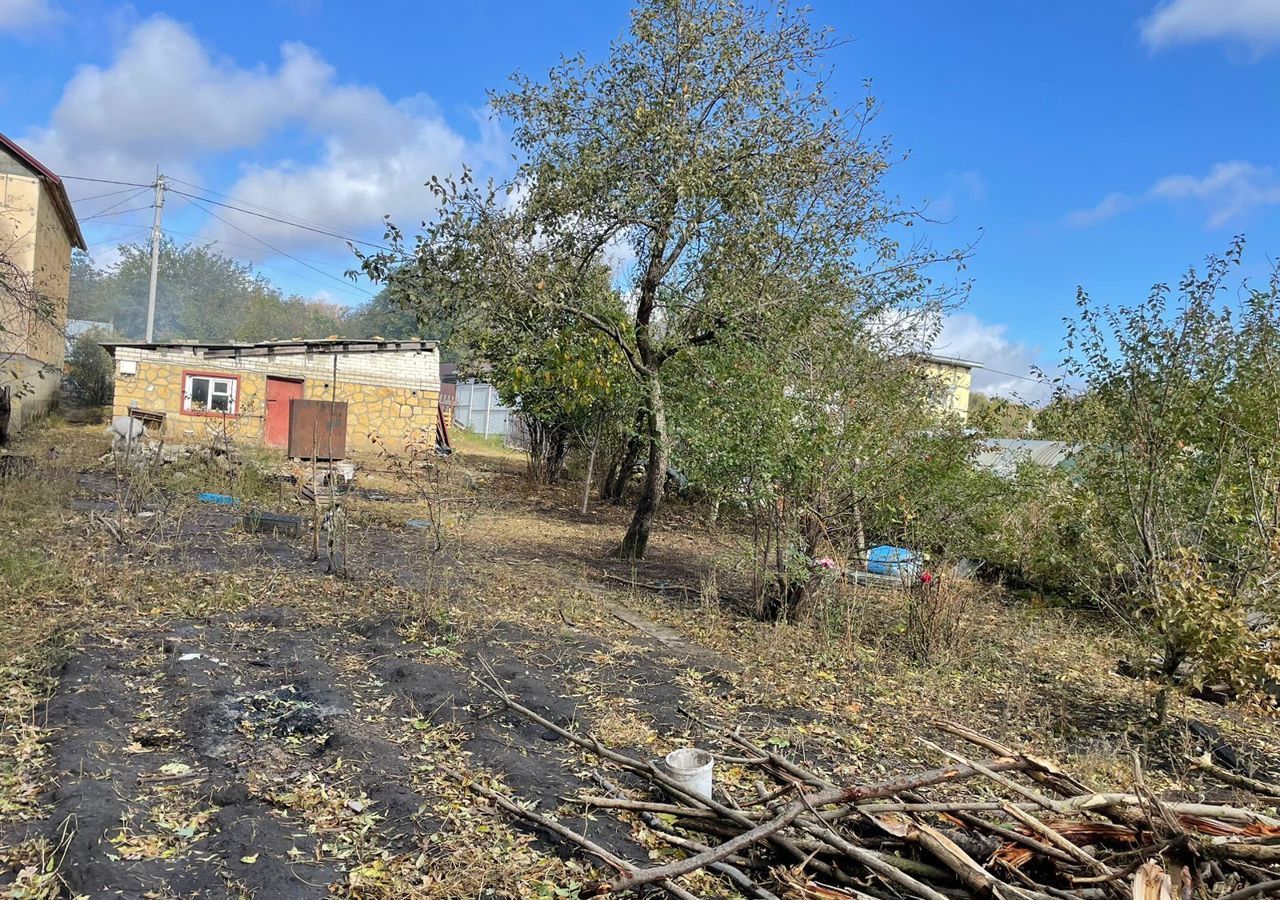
x=313, y=398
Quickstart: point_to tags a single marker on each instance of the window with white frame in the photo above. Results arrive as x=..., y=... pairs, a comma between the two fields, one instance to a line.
x=209, y=393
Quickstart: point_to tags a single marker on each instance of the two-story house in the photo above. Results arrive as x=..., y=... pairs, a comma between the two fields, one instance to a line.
x=38, y=231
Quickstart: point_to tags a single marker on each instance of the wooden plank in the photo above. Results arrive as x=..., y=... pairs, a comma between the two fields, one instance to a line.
x=317, y=429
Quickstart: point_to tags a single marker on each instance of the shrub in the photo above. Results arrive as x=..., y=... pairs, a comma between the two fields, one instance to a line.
x=90, y=374
x=937, y=613
x=1206, y=626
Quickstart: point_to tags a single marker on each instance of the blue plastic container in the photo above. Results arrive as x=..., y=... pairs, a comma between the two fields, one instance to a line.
x=897, y=561
x=219, y=499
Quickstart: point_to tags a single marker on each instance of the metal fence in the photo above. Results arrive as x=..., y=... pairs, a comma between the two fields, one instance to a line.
x=476, y=407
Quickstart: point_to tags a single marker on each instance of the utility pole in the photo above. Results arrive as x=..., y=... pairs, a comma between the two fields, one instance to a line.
x=155, y=258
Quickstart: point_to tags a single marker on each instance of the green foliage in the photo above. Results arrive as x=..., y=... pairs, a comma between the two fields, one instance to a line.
x=1029, y=527
x=704, y=161
x=828, y=439
x=204, y=295
x=384, y=316
x=1000, y=416
x=1179, y=416
x=90, y=371
x=1202, y=622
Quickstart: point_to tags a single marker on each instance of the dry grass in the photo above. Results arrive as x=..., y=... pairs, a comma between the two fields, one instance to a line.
x=844, y=691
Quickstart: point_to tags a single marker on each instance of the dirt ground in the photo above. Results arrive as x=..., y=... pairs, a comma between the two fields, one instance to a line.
x=192, y=710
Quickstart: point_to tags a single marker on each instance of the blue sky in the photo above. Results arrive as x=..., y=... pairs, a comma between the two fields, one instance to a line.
x=1108, y=143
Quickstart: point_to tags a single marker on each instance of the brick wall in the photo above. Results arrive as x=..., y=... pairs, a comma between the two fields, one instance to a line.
x=391, y=395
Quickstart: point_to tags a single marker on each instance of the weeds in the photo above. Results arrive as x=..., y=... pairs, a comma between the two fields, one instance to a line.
x=936, y=618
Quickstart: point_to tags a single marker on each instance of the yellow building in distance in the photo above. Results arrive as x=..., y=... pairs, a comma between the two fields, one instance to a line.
x=954, y=377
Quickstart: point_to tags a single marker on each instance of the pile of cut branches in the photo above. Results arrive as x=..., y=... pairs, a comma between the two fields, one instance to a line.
x=996, y=824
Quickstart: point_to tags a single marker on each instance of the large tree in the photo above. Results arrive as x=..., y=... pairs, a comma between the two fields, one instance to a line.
x=705, y=161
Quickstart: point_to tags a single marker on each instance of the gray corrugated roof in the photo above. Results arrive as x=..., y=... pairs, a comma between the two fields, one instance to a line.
x=1002, y=456
x=321, y=344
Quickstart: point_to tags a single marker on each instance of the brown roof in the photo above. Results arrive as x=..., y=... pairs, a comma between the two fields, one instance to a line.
x=58, y=191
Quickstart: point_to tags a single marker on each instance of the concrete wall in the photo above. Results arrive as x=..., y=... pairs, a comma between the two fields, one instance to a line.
x=391, y=395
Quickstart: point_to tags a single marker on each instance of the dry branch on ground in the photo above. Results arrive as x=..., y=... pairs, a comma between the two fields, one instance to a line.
x=1008, y=826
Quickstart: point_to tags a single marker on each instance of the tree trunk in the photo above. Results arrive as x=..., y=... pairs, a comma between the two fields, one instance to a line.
x=615, y=486
x=793, y=598
x=591, y=466
x=548, y=446
x=655, y=476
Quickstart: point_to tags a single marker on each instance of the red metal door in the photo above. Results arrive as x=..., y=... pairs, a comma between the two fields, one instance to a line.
x=279, y=392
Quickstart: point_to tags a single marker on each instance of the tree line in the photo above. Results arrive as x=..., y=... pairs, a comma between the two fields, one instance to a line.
x=205, y=295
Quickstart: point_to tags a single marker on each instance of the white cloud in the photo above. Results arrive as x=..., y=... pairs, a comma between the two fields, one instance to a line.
x=1228, y=192
x=1106, y=208
x=1006, y=362
x=21, y=16
x=166, y=99
x=1252, y=22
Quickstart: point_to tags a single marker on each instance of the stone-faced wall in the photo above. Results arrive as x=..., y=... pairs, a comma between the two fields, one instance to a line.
x=391, y=395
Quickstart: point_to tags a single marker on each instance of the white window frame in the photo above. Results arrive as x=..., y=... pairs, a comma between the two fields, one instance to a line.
x=228, y=382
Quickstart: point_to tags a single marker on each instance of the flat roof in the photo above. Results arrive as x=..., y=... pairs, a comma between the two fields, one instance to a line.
x=948, y=360
x=269, y=348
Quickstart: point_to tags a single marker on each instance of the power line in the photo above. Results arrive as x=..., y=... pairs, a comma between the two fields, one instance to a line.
x=206, y=242
x=100, y=196
x=267, y=209
x=107, y=209
x=118, y=238
x=105, y=181
x=1012, y=375
x=262, y=265
x=249, y=212
x=118, y=212
x=252, y=236
x=117, y=225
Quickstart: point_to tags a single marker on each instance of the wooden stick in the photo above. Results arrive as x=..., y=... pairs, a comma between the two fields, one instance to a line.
x=1099, y=802
x=1041, y=771
x=793, y=810
x=1013, y=837
x=1059, y=841
x=1235, y=779
x=647, y=806
x=1254, y=890
x=731, y=872
x=652, y=772
x=874, y=862
x=1033, y=796
x=556, y=828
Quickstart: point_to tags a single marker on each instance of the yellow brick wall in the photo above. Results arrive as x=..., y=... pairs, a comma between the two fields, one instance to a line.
x=395, y=416
x=388, y=415
x=954, y=382
x=33, y=237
